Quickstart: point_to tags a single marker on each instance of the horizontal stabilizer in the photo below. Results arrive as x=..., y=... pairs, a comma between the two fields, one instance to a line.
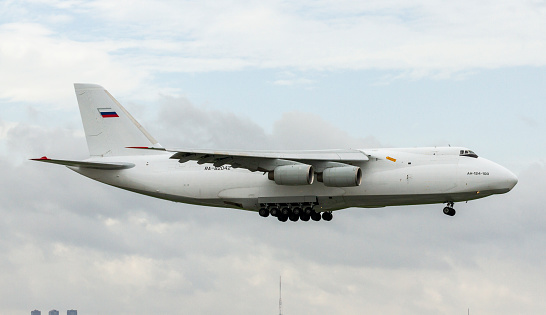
x=96, y=165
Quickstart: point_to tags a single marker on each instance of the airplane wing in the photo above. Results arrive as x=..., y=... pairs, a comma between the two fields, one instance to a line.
x=266, y=161
x=85, y=164
x=334, y=168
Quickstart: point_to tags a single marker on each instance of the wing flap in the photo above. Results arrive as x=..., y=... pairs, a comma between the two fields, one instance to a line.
x=86, y=164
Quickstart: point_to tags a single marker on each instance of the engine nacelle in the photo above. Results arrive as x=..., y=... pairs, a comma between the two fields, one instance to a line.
x=299, y=174
x=346, y=176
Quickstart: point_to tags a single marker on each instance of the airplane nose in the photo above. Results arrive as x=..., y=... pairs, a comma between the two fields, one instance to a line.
x=507, y=180
x=511, y=180
x=501, y=179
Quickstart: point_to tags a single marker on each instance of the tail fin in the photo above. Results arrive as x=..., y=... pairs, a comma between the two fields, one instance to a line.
x=109, y=128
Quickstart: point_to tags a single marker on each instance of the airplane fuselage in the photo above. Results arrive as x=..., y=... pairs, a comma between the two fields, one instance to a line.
x=390, y=177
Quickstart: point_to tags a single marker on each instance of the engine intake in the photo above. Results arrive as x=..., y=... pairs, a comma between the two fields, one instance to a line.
x=346, y=176
x=300, y=174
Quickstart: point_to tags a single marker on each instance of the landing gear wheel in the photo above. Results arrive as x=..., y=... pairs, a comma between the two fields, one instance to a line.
x=286, y=211
x=305, y=217
x=294, y=217
x=315, y=216
x=308, y=210
x=449, y=211
x=282, y=218
x=274, y=211
x=296, y=211
x=327, y=216
x=263, y=212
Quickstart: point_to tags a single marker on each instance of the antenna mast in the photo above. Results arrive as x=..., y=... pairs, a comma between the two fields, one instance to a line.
x=280, y=295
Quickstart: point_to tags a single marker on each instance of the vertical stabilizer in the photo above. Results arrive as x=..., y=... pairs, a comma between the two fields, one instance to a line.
x=109, y=128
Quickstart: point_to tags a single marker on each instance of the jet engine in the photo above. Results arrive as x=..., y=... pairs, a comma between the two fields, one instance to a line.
x=300, y=174
x=346, y=176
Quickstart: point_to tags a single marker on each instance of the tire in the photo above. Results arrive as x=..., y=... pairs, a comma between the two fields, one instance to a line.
x=327, y=216
x=263, y=212
x=294, y=217
x=286, y=211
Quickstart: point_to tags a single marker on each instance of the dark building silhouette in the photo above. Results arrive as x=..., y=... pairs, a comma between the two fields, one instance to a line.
x=36, y=312
x=72, y=312
x=53, y=312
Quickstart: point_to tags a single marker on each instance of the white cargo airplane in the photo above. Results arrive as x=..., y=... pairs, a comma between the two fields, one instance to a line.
x=295, y=185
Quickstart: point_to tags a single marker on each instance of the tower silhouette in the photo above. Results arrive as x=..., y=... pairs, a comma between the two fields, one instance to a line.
x=280, y=295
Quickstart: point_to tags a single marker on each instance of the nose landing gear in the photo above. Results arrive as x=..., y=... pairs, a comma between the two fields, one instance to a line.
x=449, y=209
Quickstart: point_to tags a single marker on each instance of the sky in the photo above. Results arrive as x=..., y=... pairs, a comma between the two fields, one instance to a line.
x=272, y=75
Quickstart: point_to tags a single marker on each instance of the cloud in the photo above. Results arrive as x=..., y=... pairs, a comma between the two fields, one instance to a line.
x=420, y=36
x=122, y=46
x=186, y=125
x=69, y=242
x=43, y=65
x=5, y=127
x=297, y=81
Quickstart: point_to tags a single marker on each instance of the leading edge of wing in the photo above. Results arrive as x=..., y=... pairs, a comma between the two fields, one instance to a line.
x=95, y=165
x=303, y=155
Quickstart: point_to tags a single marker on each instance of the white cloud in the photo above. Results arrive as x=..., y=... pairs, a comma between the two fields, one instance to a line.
x=297, y=81
x=426, y=35
x=186, y=125
x=121, y=45
x=126, y=47
x=39, y=66
x=5, y=127
x=288, y=78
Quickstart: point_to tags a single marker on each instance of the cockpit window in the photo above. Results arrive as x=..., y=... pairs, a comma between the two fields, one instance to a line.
x=468, y=153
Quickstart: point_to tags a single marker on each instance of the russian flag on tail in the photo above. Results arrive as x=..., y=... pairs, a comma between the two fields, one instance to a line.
x=107, y=113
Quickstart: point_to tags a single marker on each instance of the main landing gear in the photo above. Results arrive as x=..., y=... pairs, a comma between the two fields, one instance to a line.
x=304, y=212
x=449, y=209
